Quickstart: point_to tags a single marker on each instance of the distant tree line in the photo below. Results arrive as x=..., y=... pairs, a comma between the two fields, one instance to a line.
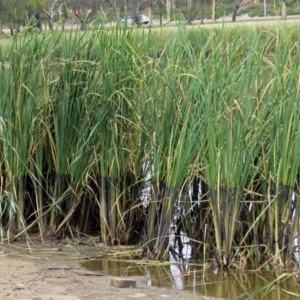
x=15, y=13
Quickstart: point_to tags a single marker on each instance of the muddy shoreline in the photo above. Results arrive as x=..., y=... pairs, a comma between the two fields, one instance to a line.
x=53, y=271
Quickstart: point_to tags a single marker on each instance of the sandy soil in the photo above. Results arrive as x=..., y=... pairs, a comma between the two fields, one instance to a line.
x=45, y=274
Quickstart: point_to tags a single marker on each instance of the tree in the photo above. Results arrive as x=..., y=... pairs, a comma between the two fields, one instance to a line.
x=118, y=6
x=14, y=13
x=50, y=10
x=164, y=4
x=283, y=10
x=149, y=4
x=239, y=4
x=84, y=12
x=34, y=11
x=52, y=6
x=213, y=10
x=192, y=10
x=135, y=5
x=167, y=4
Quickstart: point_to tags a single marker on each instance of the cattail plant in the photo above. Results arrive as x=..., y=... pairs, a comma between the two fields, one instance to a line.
x=141, y=134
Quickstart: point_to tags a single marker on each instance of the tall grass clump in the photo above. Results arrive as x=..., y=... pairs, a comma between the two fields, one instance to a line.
x=232, y=135
x=282, y=163
x=145, y=135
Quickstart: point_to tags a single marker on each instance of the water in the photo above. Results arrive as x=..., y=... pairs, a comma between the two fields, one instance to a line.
x=228, y=284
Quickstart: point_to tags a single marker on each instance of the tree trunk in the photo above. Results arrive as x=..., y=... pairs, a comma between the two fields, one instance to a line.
x=213, y=12
x=118, y=15
x=149, y=10
x=189, y=4
x=189, y=12
x=283, y=11
x=49, y=21
x=94, y=11
x=236, y=9
x=160, y=13
x=83, y=19
x=168, y=7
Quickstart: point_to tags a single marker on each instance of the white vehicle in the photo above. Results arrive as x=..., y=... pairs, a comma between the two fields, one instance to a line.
x=136, y=19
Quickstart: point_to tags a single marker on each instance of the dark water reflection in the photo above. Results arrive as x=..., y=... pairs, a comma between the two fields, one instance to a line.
x=225, y=284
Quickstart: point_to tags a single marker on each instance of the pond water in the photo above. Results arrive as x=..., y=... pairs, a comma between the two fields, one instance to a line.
x=228, y=284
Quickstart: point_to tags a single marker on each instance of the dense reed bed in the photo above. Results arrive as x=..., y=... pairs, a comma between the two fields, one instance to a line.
x=142, y=134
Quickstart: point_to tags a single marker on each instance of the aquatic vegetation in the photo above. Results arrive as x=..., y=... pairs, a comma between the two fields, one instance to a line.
x=144, y=134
